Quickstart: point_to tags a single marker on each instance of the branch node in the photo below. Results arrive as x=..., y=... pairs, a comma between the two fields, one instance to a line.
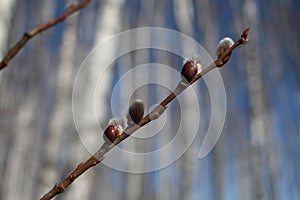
x=79, y=165
x=183, y=84
x=158, y=111
x=60, y=187
x=72, y=177
x=219, y=63
x=27, y=34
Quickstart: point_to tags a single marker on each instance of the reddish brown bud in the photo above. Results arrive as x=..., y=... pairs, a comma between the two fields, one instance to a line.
x=189, y=70
x=135, y=112
x=111, y=133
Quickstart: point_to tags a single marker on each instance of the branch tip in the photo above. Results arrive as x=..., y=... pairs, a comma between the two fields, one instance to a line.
x=244, y=36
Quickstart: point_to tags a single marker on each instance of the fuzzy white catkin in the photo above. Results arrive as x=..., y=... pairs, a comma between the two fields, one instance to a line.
x=224, y=44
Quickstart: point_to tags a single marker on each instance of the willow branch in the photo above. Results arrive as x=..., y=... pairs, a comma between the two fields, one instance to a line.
x=154, y=114
x=38, y=29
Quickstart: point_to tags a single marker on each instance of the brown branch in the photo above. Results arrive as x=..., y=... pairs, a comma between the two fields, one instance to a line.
x=38, y=29
x=154, y=114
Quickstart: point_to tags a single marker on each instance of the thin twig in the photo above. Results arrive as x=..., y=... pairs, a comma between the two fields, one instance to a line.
x=154, y=114
x=38, y=29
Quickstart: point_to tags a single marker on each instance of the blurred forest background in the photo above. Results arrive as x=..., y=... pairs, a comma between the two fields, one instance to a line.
x=258, y=153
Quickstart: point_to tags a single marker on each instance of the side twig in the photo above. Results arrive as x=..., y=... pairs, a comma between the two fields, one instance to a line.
x=38, y=29
x=154, y=114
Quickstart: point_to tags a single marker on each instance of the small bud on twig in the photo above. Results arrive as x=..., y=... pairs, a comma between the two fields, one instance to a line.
x=135, y=112
x=189, y=70
x=114, y=129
